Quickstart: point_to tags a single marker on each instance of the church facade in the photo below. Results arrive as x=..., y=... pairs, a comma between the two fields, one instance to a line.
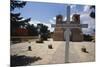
x=76, y=34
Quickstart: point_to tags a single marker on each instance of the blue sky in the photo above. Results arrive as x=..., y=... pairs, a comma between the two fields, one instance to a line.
x=46, y=13
x=42, y=11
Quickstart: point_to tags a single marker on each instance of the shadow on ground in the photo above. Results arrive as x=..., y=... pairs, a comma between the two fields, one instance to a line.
x=22, y=60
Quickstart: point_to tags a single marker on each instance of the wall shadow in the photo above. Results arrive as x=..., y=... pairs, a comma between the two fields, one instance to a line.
x=22, y=60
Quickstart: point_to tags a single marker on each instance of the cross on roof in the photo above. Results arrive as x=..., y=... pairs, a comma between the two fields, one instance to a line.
x=67, y=27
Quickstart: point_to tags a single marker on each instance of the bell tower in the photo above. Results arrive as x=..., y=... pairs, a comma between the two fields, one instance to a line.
x=76, y=33
x=58, y=32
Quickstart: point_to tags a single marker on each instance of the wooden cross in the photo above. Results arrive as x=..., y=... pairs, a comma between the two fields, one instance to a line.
x=67, y=27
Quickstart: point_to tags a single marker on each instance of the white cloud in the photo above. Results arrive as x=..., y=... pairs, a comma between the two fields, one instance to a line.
x=74, y=9
x=52, y=21
x=86, y=19
x=87, y=9
x=73, y=6
x=35, y=22
x=49, y=27
x=54, y=18
x=65, y=18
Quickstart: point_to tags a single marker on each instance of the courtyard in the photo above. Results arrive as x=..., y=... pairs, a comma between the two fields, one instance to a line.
x=56, y=55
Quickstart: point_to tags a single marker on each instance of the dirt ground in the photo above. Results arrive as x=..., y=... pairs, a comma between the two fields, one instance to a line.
x=57, y=54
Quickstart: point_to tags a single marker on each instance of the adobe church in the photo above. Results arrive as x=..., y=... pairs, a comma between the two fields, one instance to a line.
x=76, y=33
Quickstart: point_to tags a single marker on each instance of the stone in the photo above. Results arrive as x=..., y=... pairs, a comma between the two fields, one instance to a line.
x=50, y=46
x=29, y=48
x=39, y=41
x=84, y=50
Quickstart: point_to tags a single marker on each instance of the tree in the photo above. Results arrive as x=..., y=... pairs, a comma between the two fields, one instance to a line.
x=16, y=4
x=92, y=14
x=43, y=31
x=15, y=19
x=87, y=37
x=32, y=30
